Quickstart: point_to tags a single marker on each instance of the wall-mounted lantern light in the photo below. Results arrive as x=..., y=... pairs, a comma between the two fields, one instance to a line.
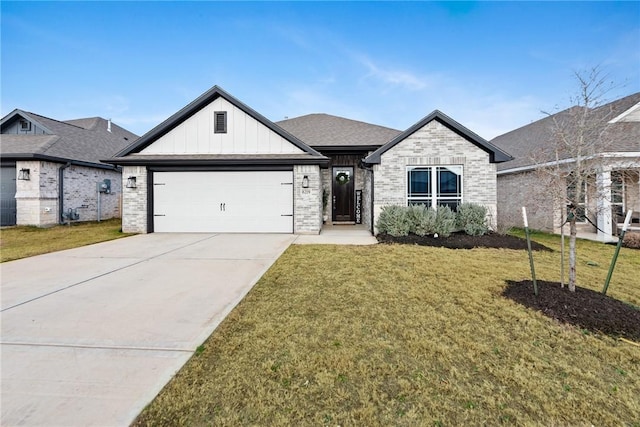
x=305, y=182
x=131, y=182
x=24, y=175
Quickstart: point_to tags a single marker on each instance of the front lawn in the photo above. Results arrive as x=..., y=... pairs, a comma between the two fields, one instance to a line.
x=25, y=241
x=408, y=335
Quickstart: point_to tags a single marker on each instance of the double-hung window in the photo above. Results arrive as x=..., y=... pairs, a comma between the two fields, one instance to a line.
x=434, y=186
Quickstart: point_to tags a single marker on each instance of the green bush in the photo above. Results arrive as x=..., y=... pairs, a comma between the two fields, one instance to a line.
x=471, y=218
x=445, y=222
x=394, y=221
x=423, y=220
x=420, y=220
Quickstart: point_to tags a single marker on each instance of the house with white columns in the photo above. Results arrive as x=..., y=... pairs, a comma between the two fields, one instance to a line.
x=541, y=174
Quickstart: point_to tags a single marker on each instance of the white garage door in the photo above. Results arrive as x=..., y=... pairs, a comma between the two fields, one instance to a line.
x=227, y=202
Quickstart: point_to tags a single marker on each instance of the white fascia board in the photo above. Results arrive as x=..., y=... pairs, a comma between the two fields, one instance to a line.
x=615, y=155
x=626, y=113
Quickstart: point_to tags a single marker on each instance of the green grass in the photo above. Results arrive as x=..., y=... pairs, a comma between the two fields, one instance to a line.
x=407, y=335
x=25, y=241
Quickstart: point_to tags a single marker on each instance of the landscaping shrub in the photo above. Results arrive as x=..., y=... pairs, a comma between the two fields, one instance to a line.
x=631, y=240
x=471, y=218
x=445, y=221
x=421, y=220
x=394, y=220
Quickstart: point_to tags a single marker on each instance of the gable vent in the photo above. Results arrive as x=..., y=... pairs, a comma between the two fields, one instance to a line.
x=220, y=125
x=25, y=125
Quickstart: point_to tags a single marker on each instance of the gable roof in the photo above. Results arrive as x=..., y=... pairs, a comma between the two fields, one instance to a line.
x=64, y=141
x=495, y=154
x=195, y=106
x=327, y=131
x=534, y=139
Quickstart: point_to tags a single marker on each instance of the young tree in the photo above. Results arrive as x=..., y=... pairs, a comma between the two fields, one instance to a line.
x=573, y=154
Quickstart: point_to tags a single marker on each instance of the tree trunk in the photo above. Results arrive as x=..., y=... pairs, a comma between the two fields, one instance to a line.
x=572, y=254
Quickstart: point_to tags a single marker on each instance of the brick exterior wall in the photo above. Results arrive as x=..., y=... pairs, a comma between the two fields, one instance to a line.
x=37, y=199
x=435, y=144
x=81, y=193
x=529, y=189
x=134, y=200
x=307, y=202
x=517, y=190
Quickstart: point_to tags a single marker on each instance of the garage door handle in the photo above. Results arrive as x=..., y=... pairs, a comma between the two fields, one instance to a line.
x=286, y=215
x=286, y=183
x=159, y=215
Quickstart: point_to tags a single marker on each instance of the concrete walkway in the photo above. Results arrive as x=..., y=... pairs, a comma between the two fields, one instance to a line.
x=339, y=235
x=91, y=335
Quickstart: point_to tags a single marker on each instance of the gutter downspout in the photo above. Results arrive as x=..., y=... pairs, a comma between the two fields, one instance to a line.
x=61, y=191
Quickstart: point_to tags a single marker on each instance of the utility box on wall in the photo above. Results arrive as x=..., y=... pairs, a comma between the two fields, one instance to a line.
x=105, y=186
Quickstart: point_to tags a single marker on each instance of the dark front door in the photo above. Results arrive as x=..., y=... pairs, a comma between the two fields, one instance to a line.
x=343, y=194
x=8, y=195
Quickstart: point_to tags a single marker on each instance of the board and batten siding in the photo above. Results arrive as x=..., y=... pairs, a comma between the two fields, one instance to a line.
x=245, y=135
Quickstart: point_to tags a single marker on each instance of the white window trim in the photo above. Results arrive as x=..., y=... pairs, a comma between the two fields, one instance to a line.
x=434, y=186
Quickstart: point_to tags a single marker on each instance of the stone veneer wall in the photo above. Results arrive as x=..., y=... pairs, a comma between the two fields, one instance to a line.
x=37, y=199
x=134, y=200
x=435, y=144
x=307, y=202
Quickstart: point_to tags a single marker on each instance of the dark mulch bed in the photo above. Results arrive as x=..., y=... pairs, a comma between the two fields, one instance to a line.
x=464, y=241
x=584, y=308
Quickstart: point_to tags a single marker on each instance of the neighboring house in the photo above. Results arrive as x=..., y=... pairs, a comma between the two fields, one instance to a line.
x=51, y=170
x=612, y=190
x=219, y=166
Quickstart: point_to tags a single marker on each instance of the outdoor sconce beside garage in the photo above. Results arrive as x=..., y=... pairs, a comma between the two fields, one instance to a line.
x=131, y=182
x=24, y=175
x=305, y=182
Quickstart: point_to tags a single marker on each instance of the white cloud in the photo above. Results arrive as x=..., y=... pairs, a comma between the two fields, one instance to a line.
x=395, y=77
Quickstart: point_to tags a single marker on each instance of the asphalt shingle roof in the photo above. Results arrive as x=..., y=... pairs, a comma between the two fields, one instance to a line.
x=324, y=130
x=85, y=140
x=529, y=143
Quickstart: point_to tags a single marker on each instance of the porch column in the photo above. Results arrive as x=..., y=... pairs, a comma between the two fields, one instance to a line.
x=603, y=195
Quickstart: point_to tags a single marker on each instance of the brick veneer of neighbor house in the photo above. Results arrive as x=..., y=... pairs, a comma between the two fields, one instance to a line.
x=514, y=192
x=37, y=199
x=435, y=144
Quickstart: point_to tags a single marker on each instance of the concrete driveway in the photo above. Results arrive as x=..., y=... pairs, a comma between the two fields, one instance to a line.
x=91, y=335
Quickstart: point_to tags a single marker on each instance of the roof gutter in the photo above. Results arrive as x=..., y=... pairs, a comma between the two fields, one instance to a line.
x=53, y=159
x=615, y=155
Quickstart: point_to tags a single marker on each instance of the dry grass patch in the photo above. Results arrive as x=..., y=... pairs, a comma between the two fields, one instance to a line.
x=25, y=241
x=406, y=335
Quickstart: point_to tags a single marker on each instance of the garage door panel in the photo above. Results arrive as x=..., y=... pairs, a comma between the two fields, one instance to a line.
x=232, y=202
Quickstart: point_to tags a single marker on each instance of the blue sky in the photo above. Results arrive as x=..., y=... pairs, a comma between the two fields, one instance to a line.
x=493, y=66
